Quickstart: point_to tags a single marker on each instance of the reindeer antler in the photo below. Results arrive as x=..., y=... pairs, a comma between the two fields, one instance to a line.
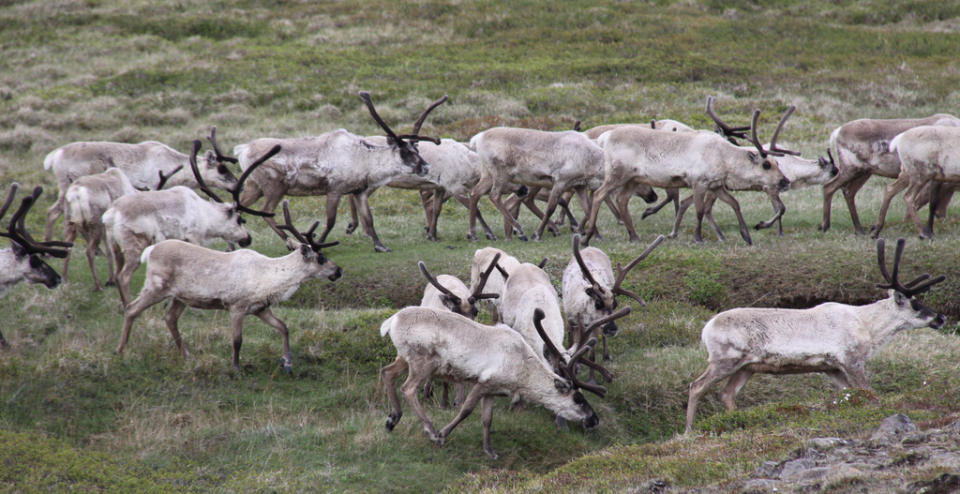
x=478, y=290
x=569, y=368
x=919, y=285
x=773, y=148
x=17, y=233
x=6, y=204
x=243, y=178
x=216, y=147
x=164, y=178
x=423, y=117
x=622, y=273
x=583, y=266
x=365, y=96
x=721, y=127
x=196, y=172
x=303, y=239
x=433, y=281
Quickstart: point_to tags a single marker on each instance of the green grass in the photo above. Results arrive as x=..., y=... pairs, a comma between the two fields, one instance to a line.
x=74, y=416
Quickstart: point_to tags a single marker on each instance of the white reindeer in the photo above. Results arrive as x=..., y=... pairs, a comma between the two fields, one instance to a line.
x=494, y=284
x=929, y=160
x=136, y=221
x=495, y=359
x=863, y=149
x=702, y=161
x=454, y=169
x=244, y=282
x=142, y=163
x=334, y=164
x=836, y=339
x=23, y=261
x=590, y=289
x=87, y=198
x=537, y=159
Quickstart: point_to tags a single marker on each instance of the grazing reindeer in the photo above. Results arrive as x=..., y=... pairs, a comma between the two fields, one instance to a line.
x=244, y=282
x=836, y=339
x=141, y=163
x=929, y=156
x=23, y=260
x=495, y=359
x=863, y=149
x=494, y=284
x=334, y=164
x=446, y=292
x=702, y=161
x=87, y=198
x=590, y=290
x=136, y=221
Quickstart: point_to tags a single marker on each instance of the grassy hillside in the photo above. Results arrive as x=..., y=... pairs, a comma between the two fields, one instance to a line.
x=75, y=416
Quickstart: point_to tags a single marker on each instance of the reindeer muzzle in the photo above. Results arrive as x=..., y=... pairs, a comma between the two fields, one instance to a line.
x=245, y=241
x=784, y=184
x=834, y=170
x=54, y=281
x=336, y=275
x=591, y=422
x=610, y=329
x=937, y=322
x=422, y=169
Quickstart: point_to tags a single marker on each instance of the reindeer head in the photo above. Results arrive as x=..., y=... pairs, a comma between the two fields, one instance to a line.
x=406, y=144
x=569, y=402
x=828, y=164
x=464, y=304
x=310, y=249
x=232, y=222
x=212, y=167
x=27, y=252
x=913, y=313
x=605, y=298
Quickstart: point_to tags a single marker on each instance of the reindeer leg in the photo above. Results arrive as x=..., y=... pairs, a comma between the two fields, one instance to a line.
x=131, y=261
x=486, y=228
x=3, y=342
x=415, y=379
x=678, y=215
x=551, y=207
x=149, y=296
x=267, y=316
x=236, y=324
x=333, y=200
x=849, y=194
x=838, y=378
x=699, y=203
x=778, y=210
x=508, y=220
x=252, y=192
x=829, y=189
x=726, y=197
x=366, y=217
x=469, y=404
x=389, y=374
x=173, y=315
x=673, y=195
x=902, y=182
x=590, y=221
x=486, y=415
x=530, y=201
x=716, y=371
x=482, y=187
x=935, y=198
x=432, y=204
x=711, y=200
x=623, y=205
x=55, y=211
x=69, y=235
x=352, y=200
x=734, y=385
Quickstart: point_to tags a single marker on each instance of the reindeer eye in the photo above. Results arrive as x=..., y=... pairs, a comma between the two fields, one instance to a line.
x=578, y=398
x=222, y=170
x=766, y=165
x=598, y=305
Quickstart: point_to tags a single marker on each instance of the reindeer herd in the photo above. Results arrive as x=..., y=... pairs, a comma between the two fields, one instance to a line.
x=540, y=341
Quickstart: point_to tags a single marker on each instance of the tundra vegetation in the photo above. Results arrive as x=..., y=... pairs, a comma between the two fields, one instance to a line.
x=75, y=416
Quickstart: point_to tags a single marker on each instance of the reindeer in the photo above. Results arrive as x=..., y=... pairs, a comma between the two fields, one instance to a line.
x=446, y=292
x=136, y=221
x=862, y=148
x=454, y=170
x=24, y=259
x=244, y=282
x=87, y=198
x=534, y=158
x=590, y=290
x=494, y=283
x=836, y=339
x=495, y=359
x=928, y=158
x=702, y=161
x=334, y=164
x=799, y=171
x=141, y=163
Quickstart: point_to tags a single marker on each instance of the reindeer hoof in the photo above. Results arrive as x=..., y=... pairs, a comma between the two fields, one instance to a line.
x=392, y=420
x=535, y=237
x=523, y=237
x=350, y=228
x=287, y=365
x=473, y=238
x=438, y=439
x=491, y=453
x=382, y=248
x=490, y=236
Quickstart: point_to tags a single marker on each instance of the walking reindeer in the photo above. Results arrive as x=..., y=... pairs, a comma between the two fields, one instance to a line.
x=836, y=339
x=23, y=261
x=244, y=282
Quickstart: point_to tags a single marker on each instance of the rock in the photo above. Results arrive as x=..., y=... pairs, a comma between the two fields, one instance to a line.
x=944, y=484
x=824, y=443
x=802, y=469
x=768, y=469
x=761, y=486
x=892, y=427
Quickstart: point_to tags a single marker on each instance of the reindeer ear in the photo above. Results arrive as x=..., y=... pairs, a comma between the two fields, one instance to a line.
x=18, y=251
x=900, y=298
x=306, y=251
x=452, y=303
x=562, y=386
